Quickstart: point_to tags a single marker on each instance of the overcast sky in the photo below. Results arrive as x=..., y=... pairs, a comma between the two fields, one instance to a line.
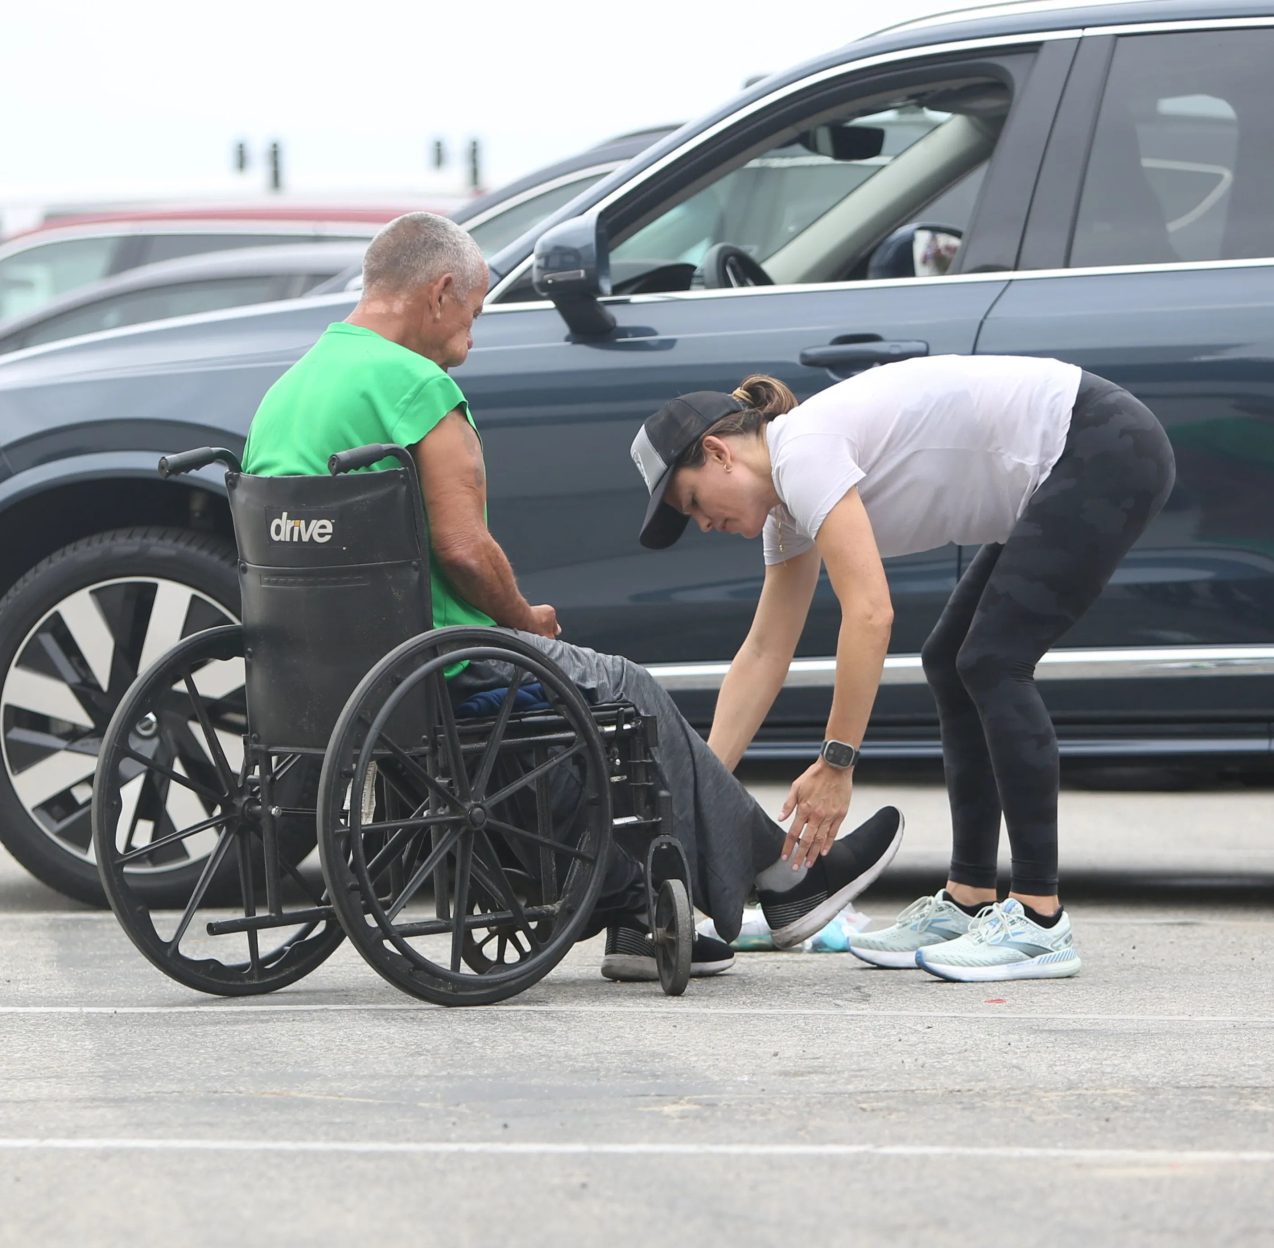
x=141, y=97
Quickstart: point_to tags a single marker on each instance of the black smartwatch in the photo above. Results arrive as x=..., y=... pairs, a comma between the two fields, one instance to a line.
x=838, y=754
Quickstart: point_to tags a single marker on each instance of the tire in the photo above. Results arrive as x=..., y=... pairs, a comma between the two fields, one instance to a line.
x=75, y=632
x=450, y=819
x=172, y=773
x=673, y=935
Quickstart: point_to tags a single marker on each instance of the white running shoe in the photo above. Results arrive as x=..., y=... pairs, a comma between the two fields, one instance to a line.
x=927, y=921
x=1003, y=943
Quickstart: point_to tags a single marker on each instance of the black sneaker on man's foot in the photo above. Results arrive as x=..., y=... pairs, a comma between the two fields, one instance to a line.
x=852, y=865
x=630, y=956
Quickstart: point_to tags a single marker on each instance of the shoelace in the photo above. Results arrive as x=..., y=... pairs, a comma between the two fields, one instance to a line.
x=917, y=914
x=992, y=924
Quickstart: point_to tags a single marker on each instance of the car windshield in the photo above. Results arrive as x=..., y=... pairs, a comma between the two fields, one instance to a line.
x=497, y=229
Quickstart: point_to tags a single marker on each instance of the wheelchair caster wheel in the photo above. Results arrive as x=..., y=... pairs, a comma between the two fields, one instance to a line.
x=673, y=937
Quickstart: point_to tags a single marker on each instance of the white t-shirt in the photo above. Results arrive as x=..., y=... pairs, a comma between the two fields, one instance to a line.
x=943, y=449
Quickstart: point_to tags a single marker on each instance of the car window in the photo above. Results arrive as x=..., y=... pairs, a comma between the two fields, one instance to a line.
x=172, y=246
x=507, y=223
x=810, y=209
x=137, y=306
x=30, y=278
x=1180, y=165
x=772, y=198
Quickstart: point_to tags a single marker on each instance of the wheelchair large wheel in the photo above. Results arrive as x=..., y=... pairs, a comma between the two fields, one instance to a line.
x=470, y=813
x=173, y=783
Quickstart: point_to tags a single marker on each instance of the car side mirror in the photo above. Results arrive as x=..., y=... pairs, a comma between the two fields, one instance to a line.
x=572, y=268
x=844, y=141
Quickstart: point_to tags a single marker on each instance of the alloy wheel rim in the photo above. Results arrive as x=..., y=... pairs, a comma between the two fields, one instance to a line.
x=71, y=670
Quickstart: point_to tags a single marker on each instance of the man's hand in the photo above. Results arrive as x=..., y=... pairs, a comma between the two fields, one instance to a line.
x=544, y=622
x=820, y=797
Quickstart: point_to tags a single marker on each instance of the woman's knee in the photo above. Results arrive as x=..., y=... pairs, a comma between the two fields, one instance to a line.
x=984, y=669
x=938, y=659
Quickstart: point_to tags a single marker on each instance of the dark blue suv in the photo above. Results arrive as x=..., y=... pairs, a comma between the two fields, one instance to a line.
x=1092, y=183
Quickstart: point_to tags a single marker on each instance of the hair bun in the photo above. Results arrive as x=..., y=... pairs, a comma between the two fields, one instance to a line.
x=765, y=394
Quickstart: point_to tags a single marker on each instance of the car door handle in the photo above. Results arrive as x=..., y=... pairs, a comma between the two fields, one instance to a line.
x=841, y=355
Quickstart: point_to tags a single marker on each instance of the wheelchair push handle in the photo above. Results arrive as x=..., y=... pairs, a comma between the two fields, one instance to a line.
x=191, y=461
x=363, y=456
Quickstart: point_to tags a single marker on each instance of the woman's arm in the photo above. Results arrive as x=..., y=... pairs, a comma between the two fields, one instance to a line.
x=757, y=673
x=821, y=795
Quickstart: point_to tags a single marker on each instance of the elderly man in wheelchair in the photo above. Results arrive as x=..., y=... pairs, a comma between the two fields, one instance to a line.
x=482, y=793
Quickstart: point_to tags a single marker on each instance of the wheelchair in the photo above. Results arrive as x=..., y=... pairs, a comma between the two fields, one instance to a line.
x=461, y=848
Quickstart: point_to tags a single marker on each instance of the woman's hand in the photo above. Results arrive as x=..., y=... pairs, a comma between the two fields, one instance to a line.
x=820, y=797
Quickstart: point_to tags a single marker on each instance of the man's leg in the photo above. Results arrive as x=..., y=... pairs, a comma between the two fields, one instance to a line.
x=623, y=892
x=729, y=840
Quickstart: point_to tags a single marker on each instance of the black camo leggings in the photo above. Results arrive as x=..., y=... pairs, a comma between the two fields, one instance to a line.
x=1015, y=601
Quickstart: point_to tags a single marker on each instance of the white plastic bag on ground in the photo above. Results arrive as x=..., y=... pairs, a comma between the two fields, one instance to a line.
x=755, y=935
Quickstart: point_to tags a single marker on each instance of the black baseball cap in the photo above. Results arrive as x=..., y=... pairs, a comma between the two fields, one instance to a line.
x=661, y=441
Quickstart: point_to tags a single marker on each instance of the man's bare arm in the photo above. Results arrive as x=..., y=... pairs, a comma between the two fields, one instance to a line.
x=453, y=480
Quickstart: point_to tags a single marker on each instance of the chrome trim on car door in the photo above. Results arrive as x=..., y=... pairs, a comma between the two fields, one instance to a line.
x=1126, y=663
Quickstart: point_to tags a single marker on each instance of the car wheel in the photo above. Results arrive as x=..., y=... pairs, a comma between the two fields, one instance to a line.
x=75, y=632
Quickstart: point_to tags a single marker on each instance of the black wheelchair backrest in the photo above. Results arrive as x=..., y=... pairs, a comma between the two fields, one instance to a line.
x=334, y=573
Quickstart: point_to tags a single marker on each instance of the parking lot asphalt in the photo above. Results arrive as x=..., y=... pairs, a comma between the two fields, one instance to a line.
x=799, y=1099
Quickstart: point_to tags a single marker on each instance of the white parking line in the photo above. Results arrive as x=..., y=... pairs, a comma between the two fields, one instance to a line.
x=434, y=1148
x=678, y=1010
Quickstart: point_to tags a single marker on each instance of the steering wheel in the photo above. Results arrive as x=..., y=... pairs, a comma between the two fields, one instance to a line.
x=725, y=266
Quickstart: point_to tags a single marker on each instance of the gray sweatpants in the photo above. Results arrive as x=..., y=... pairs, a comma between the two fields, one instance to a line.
x=727, y=837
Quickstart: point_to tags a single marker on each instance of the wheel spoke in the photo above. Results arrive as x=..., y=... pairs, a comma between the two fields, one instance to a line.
x=461, y=907
x=215, y=751
x=52, y=775
x=213, y=798
x=46, y=696
x=496, y=879
x=388, y=853
x=249, y=893
x=421, y=776
x=211, y=867
x=181, y=808
x=529, y=777
x=451, y=735
x=558, y=847
x=319, y=899
x=414, y=823
x=422, y=872
x=172, y=838
x=81, y=613
x=166, y=623
x=190, y=755
x=496, y=739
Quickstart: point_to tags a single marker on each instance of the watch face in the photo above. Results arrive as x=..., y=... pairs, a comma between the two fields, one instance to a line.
x=838, y=754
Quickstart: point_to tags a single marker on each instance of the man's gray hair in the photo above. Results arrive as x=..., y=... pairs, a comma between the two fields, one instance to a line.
x=418, y=248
